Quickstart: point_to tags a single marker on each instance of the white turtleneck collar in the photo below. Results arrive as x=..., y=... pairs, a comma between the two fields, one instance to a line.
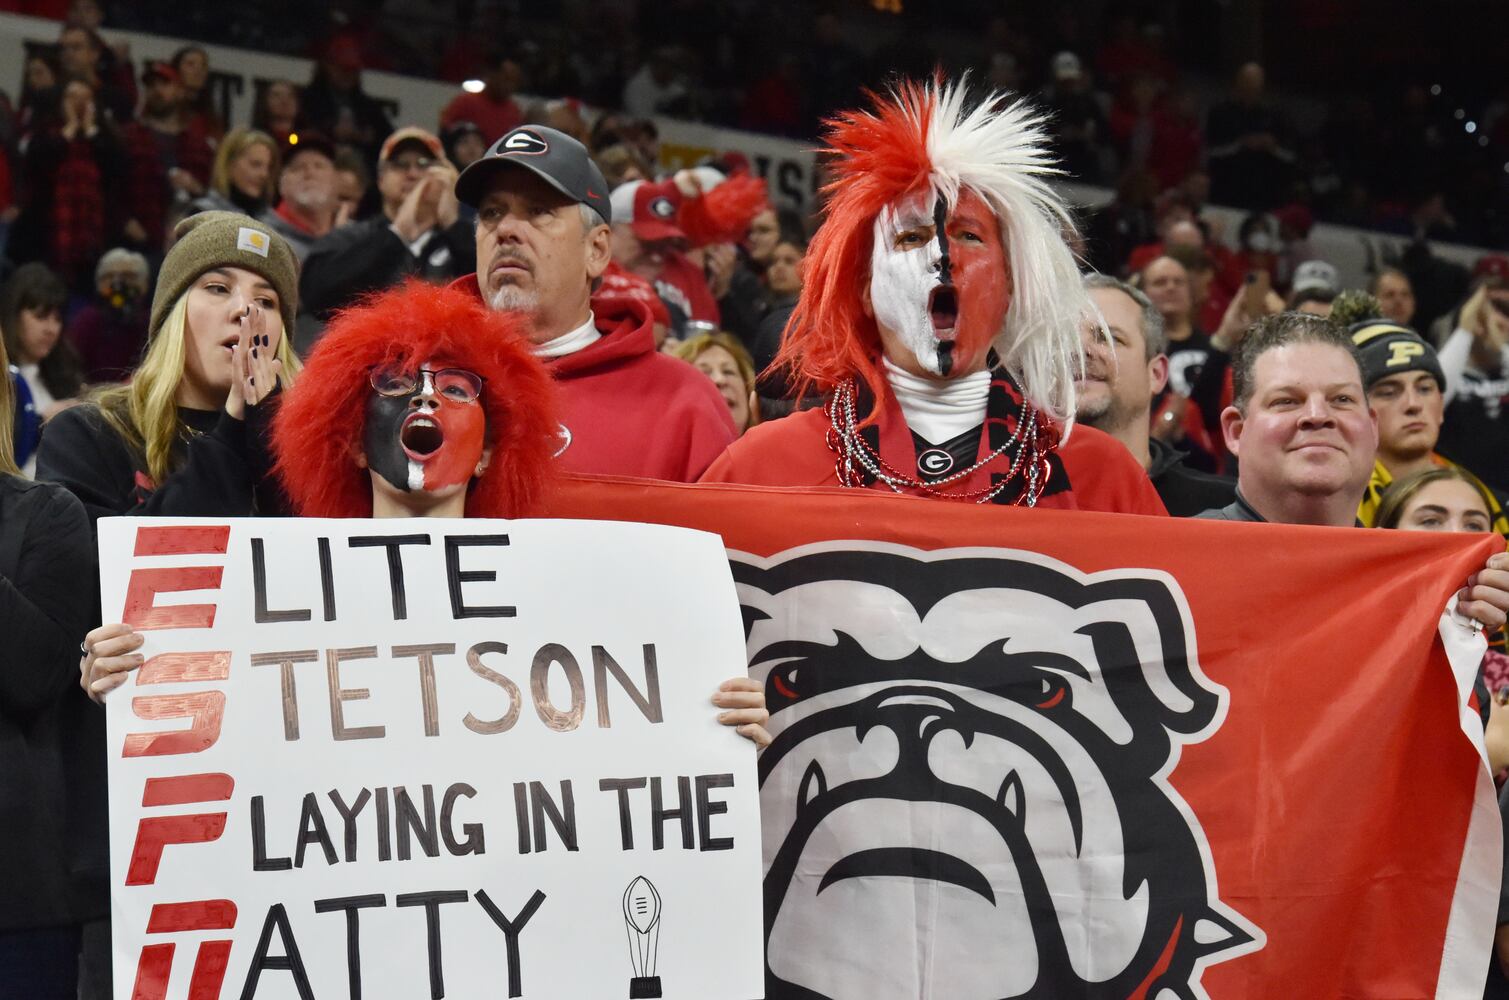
x=569, y=343
x=940, y=410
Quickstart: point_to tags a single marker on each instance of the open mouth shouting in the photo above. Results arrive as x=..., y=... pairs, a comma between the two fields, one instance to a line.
x=943, y=310
x=420, y=437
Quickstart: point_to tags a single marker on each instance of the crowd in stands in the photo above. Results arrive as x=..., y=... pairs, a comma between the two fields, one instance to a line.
x=106, y=160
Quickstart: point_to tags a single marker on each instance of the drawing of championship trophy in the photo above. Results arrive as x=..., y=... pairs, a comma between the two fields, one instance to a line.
x=642, y=918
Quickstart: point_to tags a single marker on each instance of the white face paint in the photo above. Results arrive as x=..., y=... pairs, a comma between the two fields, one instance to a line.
x=902, y=278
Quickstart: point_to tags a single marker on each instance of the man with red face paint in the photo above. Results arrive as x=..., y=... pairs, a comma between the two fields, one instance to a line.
x=938, y=316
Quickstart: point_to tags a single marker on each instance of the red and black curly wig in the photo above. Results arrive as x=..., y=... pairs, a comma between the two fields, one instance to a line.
x=317, y=432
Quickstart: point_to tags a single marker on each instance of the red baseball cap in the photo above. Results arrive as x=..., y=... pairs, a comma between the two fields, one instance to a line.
x=1492, y=265
x=650, y=209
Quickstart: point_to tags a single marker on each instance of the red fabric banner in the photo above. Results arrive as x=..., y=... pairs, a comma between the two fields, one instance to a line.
x=1041, y=753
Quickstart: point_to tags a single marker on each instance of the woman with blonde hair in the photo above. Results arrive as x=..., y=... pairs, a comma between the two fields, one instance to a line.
x=245, y=175
x=45, y=557
x=187, y=435
x=723, y=358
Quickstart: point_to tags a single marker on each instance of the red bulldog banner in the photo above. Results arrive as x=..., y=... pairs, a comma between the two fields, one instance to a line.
x=1041, y=754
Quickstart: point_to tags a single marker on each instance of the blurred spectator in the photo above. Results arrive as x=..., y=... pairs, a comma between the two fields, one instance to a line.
x=764, y=234
x=72, y=172
x=1166, y=282
x=352, y=180
x=276, y=110
x=463, y=143
x=1208, y=298
x=783, y=280
x=1078, y=121
x=109, y=330
x=721, y=357
x=1126, y=368
x=493, y=109
x=1314, y=288
x=1395, y=295
x=621, y=164
x=82, y=55
x=647, y=242
x=1250, y=166
x=196, y=105
x=1475, y=432
x=335, y=104
x=306, y=192
x=41, y=103
x=1405, y=387
x=565, y=116
x=31, y=319
x=418, y=232
x=244, y=176
x=168, y=159
x=659, y=87
x=1160, y=132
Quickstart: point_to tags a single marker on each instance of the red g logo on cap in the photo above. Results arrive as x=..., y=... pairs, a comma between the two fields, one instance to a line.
x=524, y=143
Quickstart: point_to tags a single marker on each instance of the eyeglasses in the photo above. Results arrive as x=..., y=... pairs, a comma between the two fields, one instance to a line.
x=453, y=383
x=406, y=164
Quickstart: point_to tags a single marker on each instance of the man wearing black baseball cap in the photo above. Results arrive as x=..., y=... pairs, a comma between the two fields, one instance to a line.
x=543, y=212
x=1406, y=388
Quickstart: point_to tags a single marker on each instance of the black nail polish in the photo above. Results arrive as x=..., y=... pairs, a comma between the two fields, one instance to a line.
x=251, y=381
x=254, y=352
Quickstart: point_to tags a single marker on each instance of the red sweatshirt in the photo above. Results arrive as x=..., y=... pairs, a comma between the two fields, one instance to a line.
x=629, y=410
x=793, y=451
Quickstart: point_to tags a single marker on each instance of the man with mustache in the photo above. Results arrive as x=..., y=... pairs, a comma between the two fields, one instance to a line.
x=1121, y=379
x=543, y=213
x=939, y=316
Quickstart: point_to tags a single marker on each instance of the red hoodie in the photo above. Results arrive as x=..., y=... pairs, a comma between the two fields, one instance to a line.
x=628, y=410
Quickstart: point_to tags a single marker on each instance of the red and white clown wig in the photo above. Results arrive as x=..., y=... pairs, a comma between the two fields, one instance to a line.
x=318, y=430
x=921, y=142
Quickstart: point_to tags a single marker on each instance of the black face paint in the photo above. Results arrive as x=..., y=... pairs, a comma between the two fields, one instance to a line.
x=380, y=438
x=945, y=277
x=940, y=225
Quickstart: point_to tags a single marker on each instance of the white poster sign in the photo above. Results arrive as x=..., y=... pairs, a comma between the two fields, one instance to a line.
x=443, y=758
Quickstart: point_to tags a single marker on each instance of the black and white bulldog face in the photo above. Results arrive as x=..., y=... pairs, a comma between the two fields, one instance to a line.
x=965, y=797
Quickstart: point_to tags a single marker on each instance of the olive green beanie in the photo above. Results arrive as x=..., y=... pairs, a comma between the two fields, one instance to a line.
x=226, y=239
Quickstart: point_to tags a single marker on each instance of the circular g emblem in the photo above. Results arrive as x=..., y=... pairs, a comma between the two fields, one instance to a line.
x=935, y=462
x=662, y=208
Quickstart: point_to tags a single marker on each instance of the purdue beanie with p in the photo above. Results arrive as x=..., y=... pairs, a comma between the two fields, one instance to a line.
x=1388, y=349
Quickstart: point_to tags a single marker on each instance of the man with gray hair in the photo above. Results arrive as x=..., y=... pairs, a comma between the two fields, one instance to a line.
x=543, y=213
x=1116, y=389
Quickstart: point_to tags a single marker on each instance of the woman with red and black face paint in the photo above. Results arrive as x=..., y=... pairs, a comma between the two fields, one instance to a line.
x=422, y=402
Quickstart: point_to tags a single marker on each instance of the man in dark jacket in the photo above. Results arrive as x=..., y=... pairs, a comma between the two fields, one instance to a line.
x=418, y=233
x=45, y=557
x=1116, y=391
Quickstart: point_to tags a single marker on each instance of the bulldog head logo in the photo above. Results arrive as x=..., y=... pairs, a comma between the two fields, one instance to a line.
x=966, y=794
